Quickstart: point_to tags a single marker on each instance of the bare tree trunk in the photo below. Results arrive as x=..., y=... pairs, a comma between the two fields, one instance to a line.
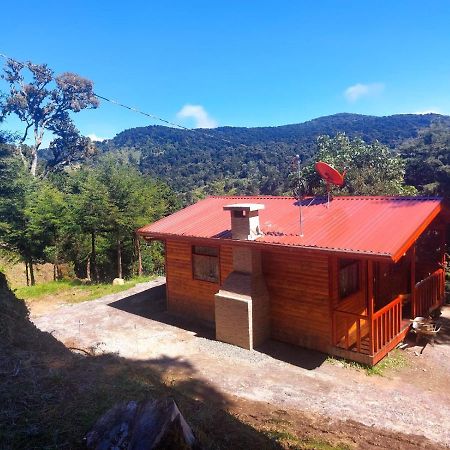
x=119, y=259
x=34, y=164
x=26, y=273
x=88, y=268
x=30, y=266
x=54, y=272
x=38, y=135
x=94, y=267
x=138, y=247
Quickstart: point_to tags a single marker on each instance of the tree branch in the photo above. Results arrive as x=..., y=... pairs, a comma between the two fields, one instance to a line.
x=25, y=135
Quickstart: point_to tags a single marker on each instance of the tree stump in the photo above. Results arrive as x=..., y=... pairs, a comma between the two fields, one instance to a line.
x=146, y=425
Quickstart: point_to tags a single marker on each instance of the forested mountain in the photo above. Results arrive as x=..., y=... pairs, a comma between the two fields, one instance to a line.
x=251, y=160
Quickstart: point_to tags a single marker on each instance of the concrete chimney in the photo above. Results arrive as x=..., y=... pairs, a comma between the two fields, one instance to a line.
x=245, y=220
x=242, y=303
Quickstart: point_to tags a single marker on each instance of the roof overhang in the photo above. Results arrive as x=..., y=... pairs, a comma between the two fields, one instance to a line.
x=413, y=238
x=386, y=257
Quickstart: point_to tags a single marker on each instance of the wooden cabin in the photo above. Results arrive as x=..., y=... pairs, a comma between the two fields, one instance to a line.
x=345, y=282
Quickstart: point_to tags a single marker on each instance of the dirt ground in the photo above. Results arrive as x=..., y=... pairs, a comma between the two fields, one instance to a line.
x=407, y=406
x=15, y=272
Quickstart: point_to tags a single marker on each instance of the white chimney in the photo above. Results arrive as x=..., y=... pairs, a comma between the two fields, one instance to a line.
x=245, y=220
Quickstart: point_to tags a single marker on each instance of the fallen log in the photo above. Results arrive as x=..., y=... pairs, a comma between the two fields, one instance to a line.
x=146, y=425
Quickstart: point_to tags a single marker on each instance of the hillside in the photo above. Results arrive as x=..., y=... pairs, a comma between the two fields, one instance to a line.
x=250, y=160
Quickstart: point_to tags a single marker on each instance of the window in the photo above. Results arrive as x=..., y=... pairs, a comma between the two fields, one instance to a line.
x=348, y=277
x=205, y=263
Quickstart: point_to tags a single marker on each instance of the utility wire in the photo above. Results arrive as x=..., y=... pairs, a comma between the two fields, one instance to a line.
x=151, y=116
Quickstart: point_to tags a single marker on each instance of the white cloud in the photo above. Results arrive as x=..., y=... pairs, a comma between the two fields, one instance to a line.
x=199, y=114
x=359, y=90
x=93, y=137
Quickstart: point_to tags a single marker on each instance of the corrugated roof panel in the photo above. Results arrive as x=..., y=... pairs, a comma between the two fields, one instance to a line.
x=376, y=225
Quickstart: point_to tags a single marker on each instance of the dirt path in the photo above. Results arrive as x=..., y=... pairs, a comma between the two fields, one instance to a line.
x=414, y=400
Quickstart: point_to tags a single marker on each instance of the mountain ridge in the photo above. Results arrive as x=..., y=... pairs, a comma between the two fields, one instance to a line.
x=250, y=160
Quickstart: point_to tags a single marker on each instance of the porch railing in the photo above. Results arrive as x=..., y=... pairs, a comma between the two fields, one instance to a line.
x=386, y=324
x=355, y=332
x=350, y=330
x=429, y=292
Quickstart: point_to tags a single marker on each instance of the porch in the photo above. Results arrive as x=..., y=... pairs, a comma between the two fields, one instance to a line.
x=367, y=338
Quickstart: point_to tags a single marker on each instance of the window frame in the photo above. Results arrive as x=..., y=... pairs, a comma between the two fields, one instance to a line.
x=345, y=263
x=196, y=253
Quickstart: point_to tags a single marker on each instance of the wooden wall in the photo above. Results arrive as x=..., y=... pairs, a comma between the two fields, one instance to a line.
x=298, y=285
x=187, y=297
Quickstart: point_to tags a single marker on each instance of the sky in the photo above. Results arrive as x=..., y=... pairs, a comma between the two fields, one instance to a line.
x=239, y=63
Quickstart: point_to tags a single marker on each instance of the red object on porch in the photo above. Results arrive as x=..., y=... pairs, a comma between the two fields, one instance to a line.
x=381, y=227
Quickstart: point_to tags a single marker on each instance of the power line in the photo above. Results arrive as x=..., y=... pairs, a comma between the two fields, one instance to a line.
x=151, y=116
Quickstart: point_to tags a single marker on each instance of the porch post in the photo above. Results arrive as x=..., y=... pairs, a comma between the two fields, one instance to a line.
x=370, y=303
x=413, y=281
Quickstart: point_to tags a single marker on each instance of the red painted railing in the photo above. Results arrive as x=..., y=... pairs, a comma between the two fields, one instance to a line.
x=429, y=293
x=386, y=324
x=354, y=332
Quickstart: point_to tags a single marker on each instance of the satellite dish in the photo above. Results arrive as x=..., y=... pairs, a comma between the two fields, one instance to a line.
x=329, y=174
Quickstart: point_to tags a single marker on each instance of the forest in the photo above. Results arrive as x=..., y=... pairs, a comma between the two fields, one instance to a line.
x=78, y=216
x=259, y=160
x=77, y=204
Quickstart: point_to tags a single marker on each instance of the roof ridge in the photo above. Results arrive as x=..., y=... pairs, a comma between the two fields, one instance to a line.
x=337, y=197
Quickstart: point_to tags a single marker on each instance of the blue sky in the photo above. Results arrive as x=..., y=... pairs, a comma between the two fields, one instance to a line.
x=240, y=63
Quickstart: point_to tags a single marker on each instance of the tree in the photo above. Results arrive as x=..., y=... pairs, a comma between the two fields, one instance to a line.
x=68, y=149
x=43, y=102
x=428, y=160
x=137, y=200
x=46, y=223
x=91, y=212
x=15, y=190
x=372, y=169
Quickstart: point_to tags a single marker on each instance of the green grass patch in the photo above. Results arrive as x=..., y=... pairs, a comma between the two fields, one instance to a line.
x=286, y=438
x=38, y=290
x=345, y=363
x=395, y=360
x=74, y=291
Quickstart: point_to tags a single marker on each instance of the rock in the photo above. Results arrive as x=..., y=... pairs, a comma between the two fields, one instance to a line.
x=145, y=425
x=118, y=282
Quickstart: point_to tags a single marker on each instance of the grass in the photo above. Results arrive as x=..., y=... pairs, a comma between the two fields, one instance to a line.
x=395, y=360
x=73, y=291
x=291, y=441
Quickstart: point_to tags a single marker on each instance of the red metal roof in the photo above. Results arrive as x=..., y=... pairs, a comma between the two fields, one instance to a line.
x=383, y=226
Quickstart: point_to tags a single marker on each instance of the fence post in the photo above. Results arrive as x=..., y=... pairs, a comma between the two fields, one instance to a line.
x=413, y=282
